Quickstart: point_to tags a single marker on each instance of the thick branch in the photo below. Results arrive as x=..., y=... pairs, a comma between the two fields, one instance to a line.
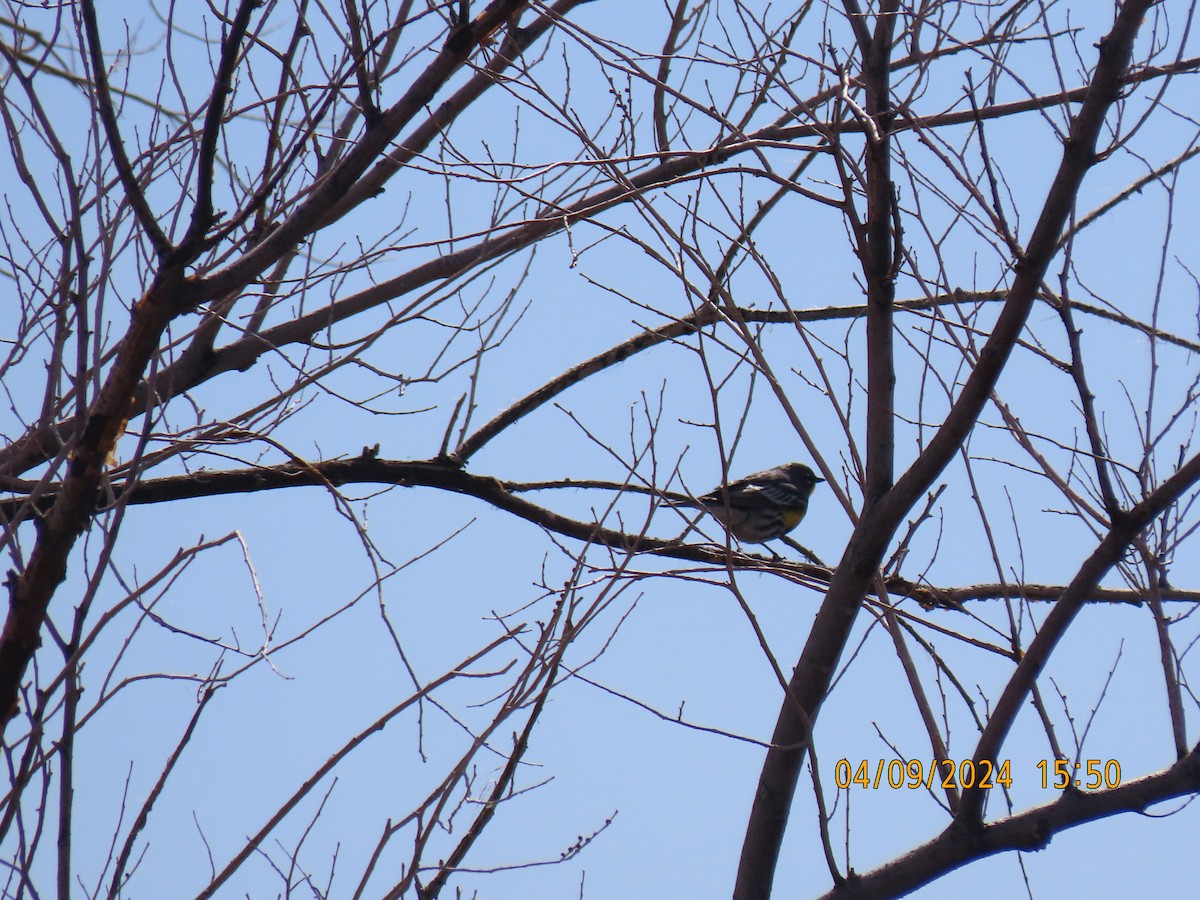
x=31, y=590
x=1105, y=556
x=313, y=212
x=443, y=475
x=1030, y=830
x=872, y=535
x=877, y=255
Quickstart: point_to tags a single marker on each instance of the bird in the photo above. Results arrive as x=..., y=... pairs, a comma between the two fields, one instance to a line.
x=765, y=505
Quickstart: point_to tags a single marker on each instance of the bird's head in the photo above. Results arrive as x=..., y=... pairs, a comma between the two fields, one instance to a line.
x=801, y=475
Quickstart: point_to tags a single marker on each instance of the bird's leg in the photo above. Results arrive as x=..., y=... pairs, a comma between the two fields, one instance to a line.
x=803, y=551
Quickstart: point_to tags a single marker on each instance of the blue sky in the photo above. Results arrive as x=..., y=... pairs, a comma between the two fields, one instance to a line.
x=677, y=797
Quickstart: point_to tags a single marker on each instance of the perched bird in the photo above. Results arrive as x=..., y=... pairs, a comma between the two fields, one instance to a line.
x=763, y=506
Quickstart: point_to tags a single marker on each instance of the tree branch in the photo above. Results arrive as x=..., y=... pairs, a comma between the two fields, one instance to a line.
x=868, y=544
x=1030, y=830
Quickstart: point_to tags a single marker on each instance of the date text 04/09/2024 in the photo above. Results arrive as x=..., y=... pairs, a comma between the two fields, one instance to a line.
x=1057, y=774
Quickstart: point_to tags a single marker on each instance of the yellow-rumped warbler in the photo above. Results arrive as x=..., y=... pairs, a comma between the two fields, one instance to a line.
x=763, y=506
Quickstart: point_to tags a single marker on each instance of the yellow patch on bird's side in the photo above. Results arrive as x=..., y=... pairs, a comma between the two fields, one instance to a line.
x=792, y=517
